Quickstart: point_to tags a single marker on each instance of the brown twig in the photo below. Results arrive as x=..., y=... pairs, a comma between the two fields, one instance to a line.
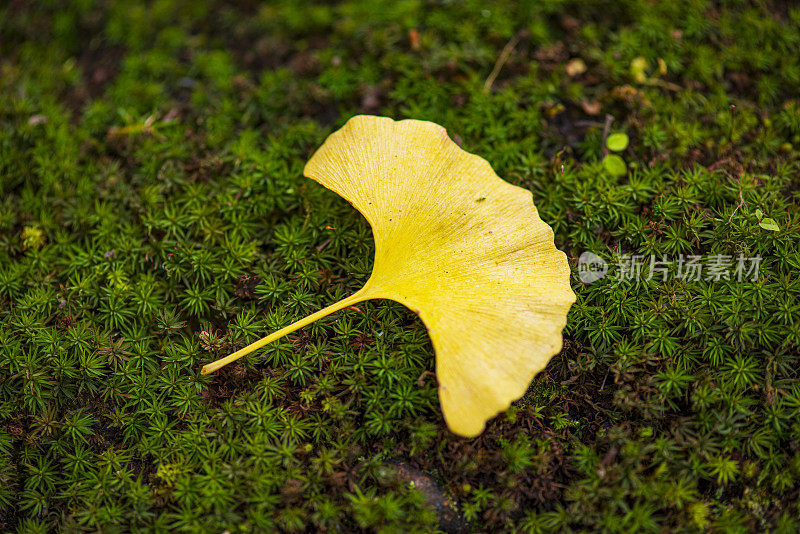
x=664, y=84
x=501, y=60
x=741, y=198
x=606, y=129
x=324, y=244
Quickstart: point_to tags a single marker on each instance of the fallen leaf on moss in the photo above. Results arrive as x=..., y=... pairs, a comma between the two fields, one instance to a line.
x=575, y=67
x=638, y=68
x=614, y=165
x=617, y=142
x=769, y=224
x=591, y=107
x=485, y=277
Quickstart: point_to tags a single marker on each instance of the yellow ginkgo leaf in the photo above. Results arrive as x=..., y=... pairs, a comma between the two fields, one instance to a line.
x=461, y=247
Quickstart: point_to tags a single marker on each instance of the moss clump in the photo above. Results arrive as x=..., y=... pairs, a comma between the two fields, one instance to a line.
x=159, y=150
x=32, y=238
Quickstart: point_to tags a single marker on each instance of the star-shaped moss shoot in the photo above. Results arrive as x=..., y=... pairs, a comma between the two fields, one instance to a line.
x=461, y=247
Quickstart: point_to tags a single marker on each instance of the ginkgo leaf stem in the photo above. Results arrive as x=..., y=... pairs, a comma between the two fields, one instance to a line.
x=356, y=297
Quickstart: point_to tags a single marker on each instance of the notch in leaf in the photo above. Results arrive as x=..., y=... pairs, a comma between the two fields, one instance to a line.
x=485, y=277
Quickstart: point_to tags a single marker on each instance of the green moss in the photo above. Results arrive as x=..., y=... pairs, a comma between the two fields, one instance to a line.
x=154, y=216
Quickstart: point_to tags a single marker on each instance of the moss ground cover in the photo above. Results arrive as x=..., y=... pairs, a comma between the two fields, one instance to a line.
x=154, y=216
